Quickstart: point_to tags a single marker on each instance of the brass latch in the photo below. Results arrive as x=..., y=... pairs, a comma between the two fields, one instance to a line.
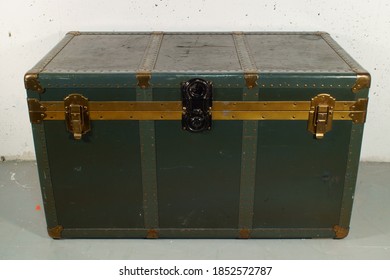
x=77, y=115
x=321, y=115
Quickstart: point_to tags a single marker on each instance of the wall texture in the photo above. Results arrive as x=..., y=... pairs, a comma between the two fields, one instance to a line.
x=30, y=28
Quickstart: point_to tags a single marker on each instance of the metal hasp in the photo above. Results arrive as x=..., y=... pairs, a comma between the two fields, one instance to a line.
x=197, y=102
x=321, y=114
x=77, y=115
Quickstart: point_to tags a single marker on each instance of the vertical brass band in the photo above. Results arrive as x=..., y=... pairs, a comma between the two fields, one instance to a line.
x=249, y=138
x=147, y=139
x=44, y=175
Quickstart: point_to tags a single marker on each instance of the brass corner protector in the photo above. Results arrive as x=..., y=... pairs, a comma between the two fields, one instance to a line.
x=245, y=233
x=251, y=80
x=36, y=110
x=31, y=82
x=74, y=33
x=363, y=80
x=143, y=79
x=359, y=109
x=55, y=232
x=340, y=232
x=152, y=234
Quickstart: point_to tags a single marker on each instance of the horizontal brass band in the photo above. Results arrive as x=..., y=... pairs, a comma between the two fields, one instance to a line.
x=217, y=115
x=221, y=110
x=217, y=105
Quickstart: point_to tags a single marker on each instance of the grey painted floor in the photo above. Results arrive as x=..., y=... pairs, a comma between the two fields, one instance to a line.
x=23, y=234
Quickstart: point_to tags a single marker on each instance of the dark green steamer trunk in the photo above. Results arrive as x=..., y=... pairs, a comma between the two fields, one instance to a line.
x=241, y=179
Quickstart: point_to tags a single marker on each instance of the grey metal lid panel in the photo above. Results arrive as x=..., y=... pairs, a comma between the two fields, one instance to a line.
x=296, y=52
x=89, y=53
x=197, y=52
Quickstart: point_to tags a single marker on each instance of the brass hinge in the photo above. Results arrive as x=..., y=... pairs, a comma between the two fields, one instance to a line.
x=143, y=79
x=340, y=232
x=31, y=82
x=77, y=115
x=321, y=114
x=362, y=81
x=36, y=110
x=55, y=232
x=251, y=79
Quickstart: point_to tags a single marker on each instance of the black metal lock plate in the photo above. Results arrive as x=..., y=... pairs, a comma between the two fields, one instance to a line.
x=197, y=102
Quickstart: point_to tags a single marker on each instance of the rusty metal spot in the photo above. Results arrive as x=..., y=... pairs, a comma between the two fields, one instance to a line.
x=340, y=232
x=245, y=233
x=55, y=232
x=152, y=234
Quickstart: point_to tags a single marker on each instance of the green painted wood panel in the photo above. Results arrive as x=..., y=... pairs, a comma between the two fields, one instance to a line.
x=299, y=179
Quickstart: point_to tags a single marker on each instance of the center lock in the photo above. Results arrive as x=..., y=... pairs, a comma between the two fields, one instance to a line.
x=197, y=102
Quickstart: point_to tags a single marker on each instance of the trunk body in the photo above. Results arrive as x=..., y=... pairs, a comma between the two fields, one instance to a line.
x=276, y=154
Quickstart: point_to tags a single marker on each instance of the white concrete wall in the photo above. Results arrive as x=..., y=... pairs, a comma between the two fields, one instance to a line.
x=30, y=28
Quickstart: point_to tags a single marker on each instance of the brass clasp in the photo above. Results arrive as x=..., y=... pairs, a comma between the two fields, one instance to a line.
x=77, y=115
x=321, y=114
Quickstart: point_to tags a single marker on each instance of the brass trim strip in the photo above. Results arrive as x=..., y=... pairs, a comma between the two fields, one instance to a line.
x=217, y=105
x=217, y=115
x=222, y=110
